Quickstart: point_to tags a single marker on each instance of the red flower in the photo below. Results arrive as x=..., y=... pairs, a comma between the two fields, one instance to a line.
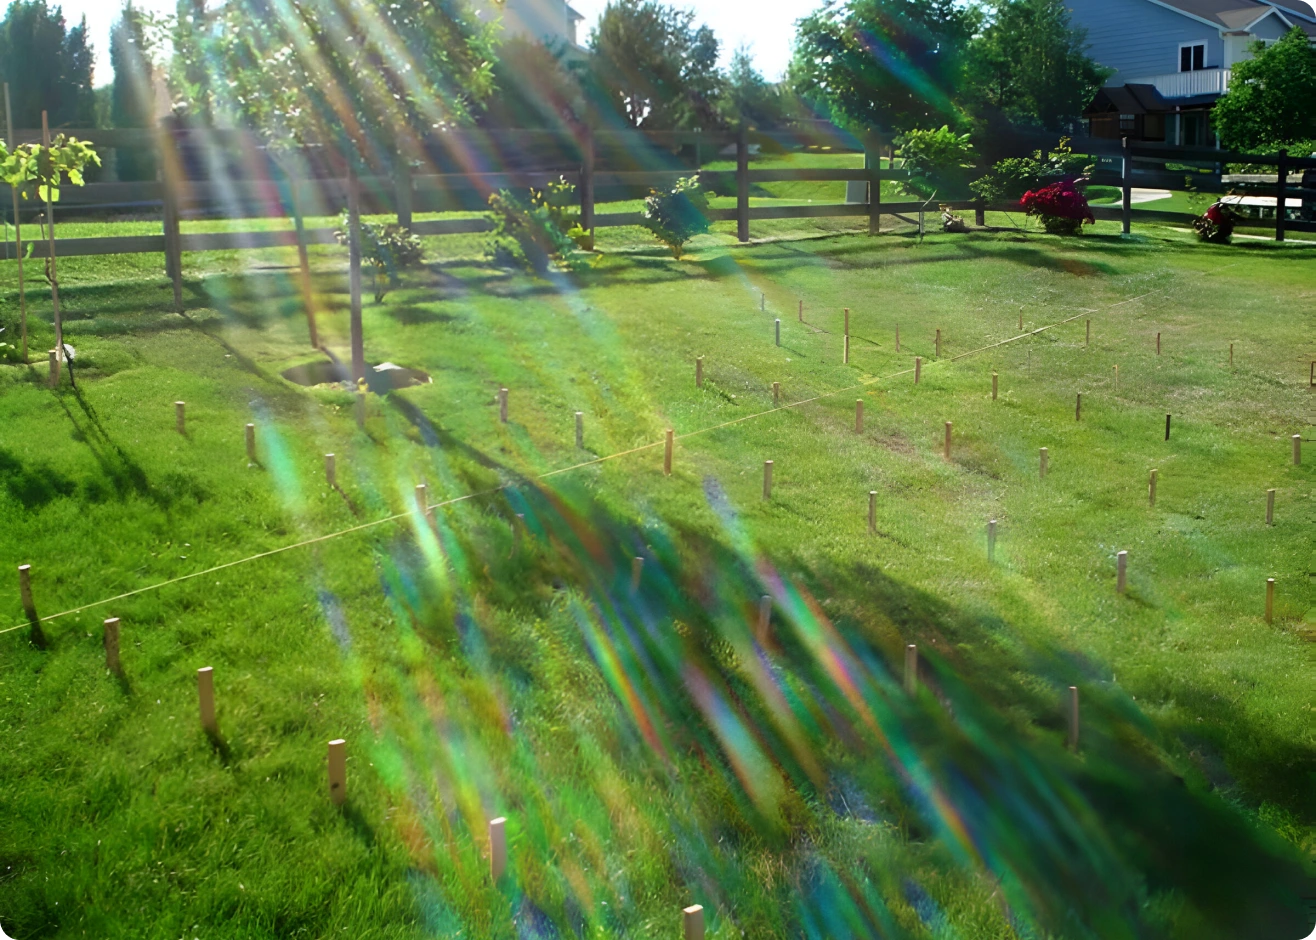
x=1061, y=200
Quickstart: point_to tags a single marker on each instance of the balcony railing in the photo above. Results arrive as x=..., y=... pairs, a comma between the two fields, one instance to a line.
x=1188, y=84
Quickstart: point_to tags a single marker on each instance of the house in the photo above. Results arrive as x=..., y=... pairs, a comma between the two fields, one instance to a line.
x=552, y=22
x=1172, y=59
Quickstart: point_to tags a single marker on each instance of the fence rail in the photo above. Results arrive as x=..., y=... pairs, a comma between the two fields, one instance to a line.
x=404, y=193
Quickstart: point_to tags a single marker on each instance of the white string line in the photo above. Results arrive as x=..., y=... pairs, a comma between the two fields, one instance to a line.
x=551, y=473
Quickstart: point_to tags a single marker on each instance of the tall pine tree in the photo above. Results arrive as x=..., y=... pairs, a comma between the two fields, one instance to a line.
x=47, y=65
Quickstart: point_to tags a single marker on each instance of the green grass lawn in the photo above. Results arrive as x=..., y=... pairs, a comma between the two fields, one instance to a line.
x=649, y=747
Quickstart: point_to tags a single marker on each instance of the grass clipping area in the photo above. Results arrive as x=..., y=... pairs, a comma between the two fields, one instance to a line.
x=654, y=732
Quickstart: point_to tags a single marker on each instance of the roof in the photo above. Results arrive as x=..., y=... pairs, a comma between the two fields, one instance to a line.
x=573, y=15
x=1215, y=11
x=1129, y=99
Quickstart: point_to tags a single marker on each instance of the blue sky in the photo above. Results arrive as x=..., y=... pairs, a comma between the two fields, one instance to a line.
x=767, y=26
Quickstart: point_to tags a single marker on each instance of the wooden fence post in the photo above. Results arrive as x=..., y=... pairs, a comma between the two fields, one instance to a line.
x=1281, y=192
x=911, y=668
x=692, y=922
x=205, y=686
x=587, y=184
x=173, y=237
x=980, y=214
x=338, y=771
x=497, y=847
x=873, y=162
x=354, y=271
x=112, y=644
x=1126, y=184
x=742, y=183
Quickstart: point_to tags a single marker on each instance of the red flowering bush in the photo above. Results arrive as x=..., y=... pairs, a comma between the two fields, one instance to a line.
x=1061, y=207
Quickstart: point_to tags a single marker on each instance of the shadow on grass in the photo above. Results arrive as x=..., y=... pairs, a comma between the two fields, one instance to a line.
x=1099, y=844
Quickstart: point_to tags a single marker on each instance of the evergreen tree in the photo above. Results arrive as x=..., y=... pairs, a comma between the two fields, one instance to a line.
x=132, y=97
x=748, y=95
x=48, y=66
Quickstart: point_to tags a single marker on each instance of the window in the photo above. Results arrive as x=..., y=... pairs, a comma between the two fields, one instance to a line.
x=1192, y=58
x=1128, y=122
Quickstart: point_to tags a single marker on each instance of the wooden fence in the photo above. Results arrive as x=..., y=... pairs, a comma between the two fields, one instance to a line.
x=405, y=191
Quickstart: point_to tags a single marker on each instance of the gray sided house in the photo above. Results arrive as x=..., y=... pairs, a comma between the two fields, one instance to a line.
x=552, y=22
x=1173, y=59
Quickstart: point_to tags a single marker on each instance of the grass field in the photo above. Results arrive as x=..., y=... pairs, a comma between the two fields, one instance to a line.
x=648, y=746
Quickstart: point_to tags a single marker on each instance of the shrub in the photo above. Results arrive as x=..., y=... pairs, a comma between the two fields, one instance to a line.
x=387, y=249
x=939, y=162
x=535, y=231
x=1061, y=207
x=675, y=216
x=1012, y=177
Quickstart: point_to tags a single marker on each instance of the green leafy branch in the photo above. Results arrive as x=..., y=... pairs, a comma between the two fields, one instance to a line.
x=34, y=168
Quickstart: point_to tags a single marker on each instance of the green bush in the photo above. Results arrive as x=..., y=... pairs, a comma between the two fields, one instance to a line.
x=1009, y=179
x=939, y=162
x=387, y=249
x=677, y=215
x=536, y=231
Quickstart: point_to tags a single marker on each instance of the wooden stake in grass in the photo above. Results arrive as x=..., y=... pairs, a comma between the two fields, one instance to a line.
x=1270, y=507
x=1041, y=465
x=692, y=919
x=872, y=512
x=1270, y=600
x=1121, y=571
x=763, y=301
x=918, y=368
x=637, y=571
x=1297, y=450
x=911, y=669
x=776, y=394
x=1167, y=427
x=947, y=448
x=1158, y=344
x=845, y=350
x=777, y=322
x=801, y=314
x=502, y=405
x=251, y=442
x=1073, y=718
x=205, y=687
x=338, y=771
x=991, y=540
x=667, y=453
x=1231, y=355
x=1151, y=489
x=580, y=430
x=423, y=502
x=938, y=343
x=1117, y=379
x=847, y=321
x=112, y=644
x=1078, y=407
x=1021, y=319
x=54, y=368
x=765, y=619
x=993, y=386
x=1088, y=339
x=767, y=479
x=497, y=847
x=897, y=337
x=180, y=420
x=25, y=591
x=859, y=416
x=331, y=470
x=699, y=372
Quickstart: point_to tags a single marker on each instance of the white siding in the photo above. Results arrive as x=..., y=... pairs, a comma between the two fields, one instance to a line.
x=1139, y=38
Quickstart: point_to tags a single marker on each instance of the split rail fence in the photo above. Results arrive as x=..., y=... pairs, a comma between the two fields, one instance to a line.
x=200, y=178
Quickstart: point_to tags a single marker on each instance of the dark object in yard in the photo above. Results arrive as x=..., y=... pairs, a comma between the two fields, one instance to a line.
x=950, y=222
x=1216, y=224
x=381, y=379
